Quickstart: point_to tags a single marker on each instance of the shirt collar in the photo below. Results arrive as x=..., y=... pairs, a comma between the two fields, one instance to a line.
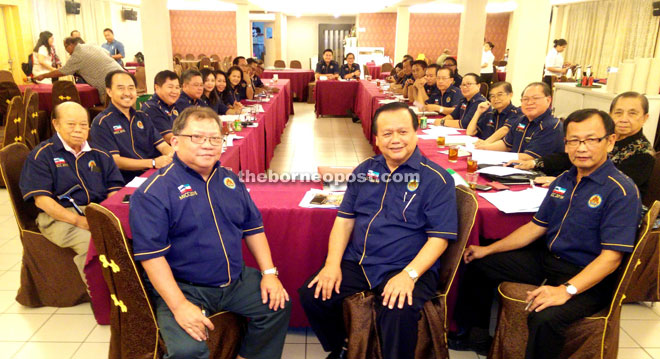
x=412, y=162
x=628, y=140
x=59, y=144
x=113, y=108
x=189, y=170
x=547, y=114
x=599, y=175
x=160, y=101
x=505, y=110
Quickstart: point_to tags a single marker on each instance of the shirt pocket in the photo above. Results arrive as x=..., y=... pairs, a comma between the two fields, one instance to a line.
x=407, y=207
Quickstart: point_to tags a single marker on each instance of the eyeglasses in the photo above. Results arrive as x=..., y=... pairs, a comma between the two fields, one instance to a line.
x=443, y=78
x=497, y=96
x=465, y=84
x=589, y=142
x=531, y=99
x=199, y=139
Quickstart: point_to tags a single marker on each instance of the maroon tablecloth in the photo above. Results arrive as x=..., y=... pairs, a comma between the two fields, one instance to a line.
x=335, y=97
x=501, y=76
x=374, y=71
x=299, y=78
x=89, y=96
x=384, y=75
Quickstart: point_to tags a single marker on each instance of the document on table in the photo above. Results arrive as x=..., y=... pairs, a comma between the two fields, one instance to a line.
x=492, y=157
x=136, y=182
x=525, y=201
x=230, y=118
x=503, y=171
x=419, y=112
x=460, y=140
x=316, y=198
x=440, y=131
x=386, y=101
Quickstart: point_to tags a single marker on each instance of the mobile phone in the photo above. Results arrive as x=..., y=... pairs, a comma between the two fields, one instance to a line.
x=126, y=198
x=482, y=187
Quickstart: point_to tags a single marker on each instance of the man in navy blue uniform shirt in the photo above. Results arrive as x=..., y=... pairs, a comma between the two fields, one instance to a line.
x=411, y=86
x=467, y=106
x=328, y=67
x=394, y=223
x=447, y=96
x=349, y=70
x=535, y=134
x=403, y=76
x=64, y=162
x=492, y=120
x=429, y=87
x=192, y=90
x=160, y=107
x=188, y=221
x=576, y=240
x=451, y=63
x=127, y=134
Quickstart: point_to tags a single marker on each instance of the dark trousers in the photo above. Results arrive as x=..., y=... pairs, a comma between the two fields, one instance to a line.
x=548, y=80
x=397, y=327
x=266, y=328
x=487, y=78
x=528, y=265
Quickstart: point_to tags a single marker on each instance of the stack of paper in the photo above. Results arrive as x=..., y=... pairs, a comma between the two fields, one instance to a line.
x=493, y=157
x=136, y=182
x=460, y=140
x=386, y=101
x=419, y=112
x=503, y=171
x=526, y=201
x=316, y=198
x=441, y=131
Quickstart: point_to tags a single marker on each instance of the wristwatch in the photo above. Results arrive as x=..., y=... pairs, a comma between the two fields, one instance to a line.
x=570, y=289
x=412, y=273
x=271, y=271
x=442, y=122
x=153, y=163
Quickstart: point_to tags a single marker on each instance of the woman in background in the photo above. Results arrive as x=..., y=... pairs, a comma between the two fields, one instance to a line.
x=554, y=62
x=487, y=59
x=349, y=70
x=44, y=57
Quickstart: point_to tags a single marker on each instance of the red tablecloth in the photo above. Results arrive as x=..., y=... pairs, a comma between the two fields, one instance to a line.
x=374, y=71
x=335, y=97
x=300, y=80
x=89, y=96
x=501, y=76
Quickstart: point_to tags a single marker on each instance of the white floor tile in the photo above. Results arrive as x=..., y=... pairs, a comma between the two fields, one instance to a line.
x=83, y=308
x=638, y=311
x=293, y=351
x=645, y=332
x=655, y=352
x=100, y=334
x=8, y=349
x=630, y=353
x=12, y=246
x=296, y=336
x=36, y=350
x=10, y=280
x=7, y=261
x=17, y=308
x=65, y=328
x=625, y=341
x=311, y=337
x=453, y=354
x=20, y=327
x=7, y=299
x=92, y=351
x=315, y=351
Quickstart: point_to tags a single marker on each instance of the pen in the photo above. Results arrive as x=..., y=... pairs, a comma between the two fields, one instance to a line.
x=206, y=330
x=531, y=183
x=529, y=304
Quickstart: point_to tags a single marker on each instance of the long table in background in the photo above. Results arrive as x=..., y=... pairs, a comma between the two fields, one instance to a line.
x=89, y=96
x=334, y=97
x=299, y=78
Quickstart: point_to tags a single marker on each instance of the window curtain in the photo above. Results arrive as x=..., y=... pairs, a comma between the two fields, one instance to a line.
x=603, y=33
x=50, y=15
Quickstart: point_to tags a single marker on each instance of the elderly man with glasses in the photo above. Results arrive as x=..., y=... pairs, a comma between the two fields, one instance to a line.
x=464, y=111
x=192, y=90
x=492, y=120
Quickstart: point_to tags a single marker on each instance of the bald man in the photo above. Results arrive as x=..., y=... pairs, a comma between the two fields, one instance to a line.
x=64, y=174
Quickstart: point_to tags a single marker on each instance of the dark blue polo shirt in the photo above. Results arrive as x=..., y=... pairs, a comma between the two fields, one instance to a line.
x=345, y=69
x=135, y=138
x=235, y=94
x=197, y=225
x=395, y=218
x=491, y=121
x=537, y=138
x=186, y=101
x=450, y=98
x=161, y=114
x=50, y=170
x=219, y=106
x=465, y=109
x=431, y=90
x=582, y=219
x=458, y=79
x=404, y=78
x=324, y=69
x=256, y=81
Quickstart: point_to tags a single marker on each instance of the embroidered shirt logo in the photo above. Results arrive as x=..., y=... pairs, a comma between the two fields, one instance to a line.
x=175, y=112
x=140, y=125
x=521, y=126
x=448, y=99
x=558, y=192
x=413, y=185
x=372, y=176
x=595, y=201
x=117, y=129
x=463, y=106
x=93, y=167
x=186, y=191
x=60, y=162
x=229, y=183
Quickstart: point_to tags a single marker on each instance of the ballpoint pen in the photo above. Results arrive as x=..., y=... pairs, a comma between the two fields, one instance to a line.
x=531, y=301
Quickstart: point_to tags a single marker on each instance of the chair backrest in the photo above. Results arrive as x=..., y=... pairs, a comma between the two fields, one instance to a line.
x=64, y=91
x=30, y=131
x=14, y=121
x=205, y=63
x=200, y=56
x=132, y=317
x=6, y=76
x=141, y=78
x=653, y=191
x=8, y=90
x=176, y=60
x=12, y=159
x=466, y=204
x=178, y=55
x=215, y=57
x=483, y=89
x=190, y=57
x=365, y=70
x=178, y=69
x=295, y=64
x=280, y=64
x=386, y=67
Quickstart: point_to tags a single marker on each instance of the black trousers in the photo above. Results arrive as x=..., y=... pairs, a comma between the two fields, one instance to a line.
x=548, y=80
x=528, y=265
x=487, y=78
x=397, y=327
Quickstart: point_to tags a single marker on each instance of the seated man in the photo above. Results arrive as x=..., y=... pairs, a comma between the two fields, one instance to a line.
x=447, y=97
x=576, y=241
x=191, y=91
x=387, y=237
x=256, y=80
x=417, y=81
x=632, y=154
x=160, y=107
x=127, y=134
x=195, y=269
x=535, y=134
x=63, y=167
x=396, y=73
x=403, y=76
x=450, y=62
x=429, y=88
x=328, y=67
x=492, y=120
x=467, y=106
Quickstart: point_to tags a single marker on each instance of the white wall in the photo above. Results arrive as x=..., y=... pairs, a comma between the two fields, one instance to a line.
x=303, y=36
x=128, y=33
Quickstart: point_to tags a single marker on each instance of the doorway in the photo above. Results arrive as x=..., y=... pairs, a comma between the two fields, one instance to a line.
x=258, y=40
x=331, y=36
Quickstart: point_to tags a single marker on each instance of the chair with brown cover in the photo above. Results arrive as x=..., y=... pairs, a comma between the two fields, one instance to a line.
x=64, y=91
x=30, y=131
x=6, y=76
x=483, y=89
x=280, y=64
x=178, y=70
x=205, y=63
x=360, y=315
x=134, y=331
x=48, y=275
x=215, y=57
x=141, y=79
x=190, y=57
x=13, y=131
x=295, y=64
x=386, y=67
x=200, y=56
x=596, y=336
x=178, y=55
x=8, y=90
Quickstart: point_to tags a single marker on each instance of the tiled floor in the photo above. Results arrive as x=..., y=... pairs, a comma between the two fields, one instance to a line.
x=59, y=333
